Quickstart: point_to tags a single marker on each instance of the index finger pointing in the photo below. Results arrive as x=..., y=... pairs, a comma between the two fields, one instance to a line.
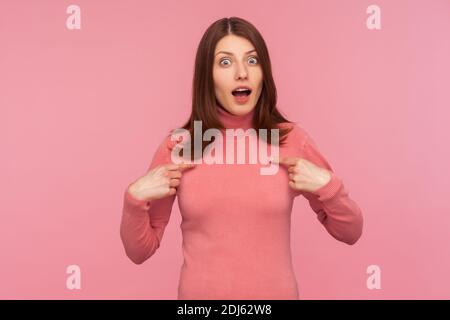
x=179, y=166
x=289, y=161
x=183, y=166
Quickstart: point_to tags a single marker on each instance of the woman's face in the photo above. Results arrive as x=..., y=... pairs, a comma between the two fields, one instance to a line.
x=236, y=64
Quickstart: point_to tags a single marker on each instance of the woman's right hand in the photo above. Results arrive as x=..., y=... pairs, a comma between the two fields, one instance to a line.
x=160, y=182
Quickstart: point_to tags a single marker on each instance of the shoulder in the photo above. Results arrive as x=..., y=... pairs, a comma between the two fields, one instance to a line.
x=297, y=134
x=164, y=142
x=163, y=145
x=169, y=139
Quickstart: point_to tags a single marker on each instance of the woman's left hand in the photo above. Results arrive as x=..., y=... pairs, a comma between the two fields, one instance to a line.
x=304, y=175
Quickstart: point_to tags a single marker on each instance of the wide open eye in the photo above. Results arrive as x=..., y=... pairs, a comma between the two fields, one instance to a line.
x=225, y=64
x=254, y=59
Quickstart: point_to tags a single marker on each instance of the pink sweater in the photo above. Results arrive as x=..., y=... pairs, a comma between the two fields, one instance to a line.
x=236, y=222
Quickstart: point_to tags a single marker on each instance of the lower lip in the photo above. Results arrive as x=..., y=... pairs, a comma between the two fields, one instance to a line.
x=241, y=99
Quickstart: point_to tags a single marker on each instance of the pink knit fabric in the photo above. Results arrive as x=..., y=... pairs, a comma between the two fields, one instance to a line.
x=236, y=222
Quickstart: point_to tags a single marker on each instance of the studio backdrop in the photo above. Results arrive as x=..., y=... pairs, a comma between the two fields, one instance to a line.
x=89, y=89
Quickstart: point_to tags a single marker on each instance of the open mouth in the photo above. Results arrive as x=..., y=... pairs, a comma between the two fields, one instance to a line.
x=241, y=92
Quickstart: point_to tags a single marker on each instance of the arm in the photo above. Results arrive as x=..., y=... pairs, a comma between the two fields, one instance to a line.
x=144, y=221
x=339, y=214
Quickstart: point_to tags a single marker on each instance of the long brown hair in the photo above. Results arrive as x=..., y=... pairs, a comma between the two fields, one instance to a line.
x=204, y=102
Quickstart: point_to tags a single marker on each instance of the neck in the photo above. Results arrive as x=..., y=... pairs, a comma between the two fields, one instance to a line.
x=232, y=121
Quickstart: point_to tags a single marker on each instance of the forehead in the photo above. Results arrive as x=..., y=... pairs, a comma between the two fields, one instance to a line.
x=234, y=44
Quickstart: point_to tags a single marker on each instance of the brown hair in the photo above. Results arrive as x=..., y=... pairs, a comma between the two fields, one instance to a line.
x=204, y=101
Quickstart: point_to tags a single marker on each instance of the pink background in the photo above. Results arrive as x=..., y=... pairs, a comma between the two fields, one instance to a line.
x=82, y=112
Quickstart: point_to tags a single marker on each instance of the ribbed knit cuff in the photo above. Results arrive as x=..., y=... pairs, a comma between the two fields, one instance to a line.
x=135, y=204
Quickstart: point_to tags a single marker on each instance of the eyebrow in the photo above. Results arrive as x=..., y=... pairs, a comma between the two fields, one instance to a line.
x=230, y=53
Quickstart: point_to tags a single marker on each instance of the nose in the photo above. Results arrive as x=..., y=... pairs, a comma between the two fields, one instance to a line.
x=241, y=72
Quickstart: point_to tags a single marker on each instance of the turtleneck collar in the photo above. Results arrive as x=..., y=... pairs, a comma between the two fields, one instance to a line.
x=232, y=121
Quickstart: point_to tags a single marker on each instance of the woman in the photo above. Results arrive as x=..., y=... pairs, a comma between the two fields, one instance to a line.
x=235, y=221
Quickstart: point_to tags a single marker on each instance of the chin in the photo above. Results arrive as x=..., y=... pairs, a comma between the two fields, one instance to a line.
x=241, y=109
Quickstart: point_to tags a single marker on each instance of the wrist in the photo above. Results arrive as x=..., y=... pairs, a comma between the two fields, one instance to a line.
x=133, y=190
x=323, y=178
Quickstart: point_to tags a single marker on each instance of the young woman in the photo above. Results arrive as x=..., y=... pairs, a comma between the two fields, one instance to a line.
x=235, y=221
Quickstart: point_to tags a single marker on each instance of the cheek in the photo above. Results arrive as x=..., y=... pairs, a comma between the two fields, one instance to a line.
x=257, y=75
x=220, y=81
x=259, y=81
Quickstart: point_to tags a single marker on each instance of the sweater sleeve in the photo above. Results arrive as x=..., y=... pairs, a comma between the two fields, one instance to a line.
x=337, y=212
x=144, y=221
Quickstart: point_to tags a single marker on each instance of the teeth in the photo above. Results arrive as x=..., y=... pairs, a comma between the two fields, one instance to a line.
x=243, y=89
